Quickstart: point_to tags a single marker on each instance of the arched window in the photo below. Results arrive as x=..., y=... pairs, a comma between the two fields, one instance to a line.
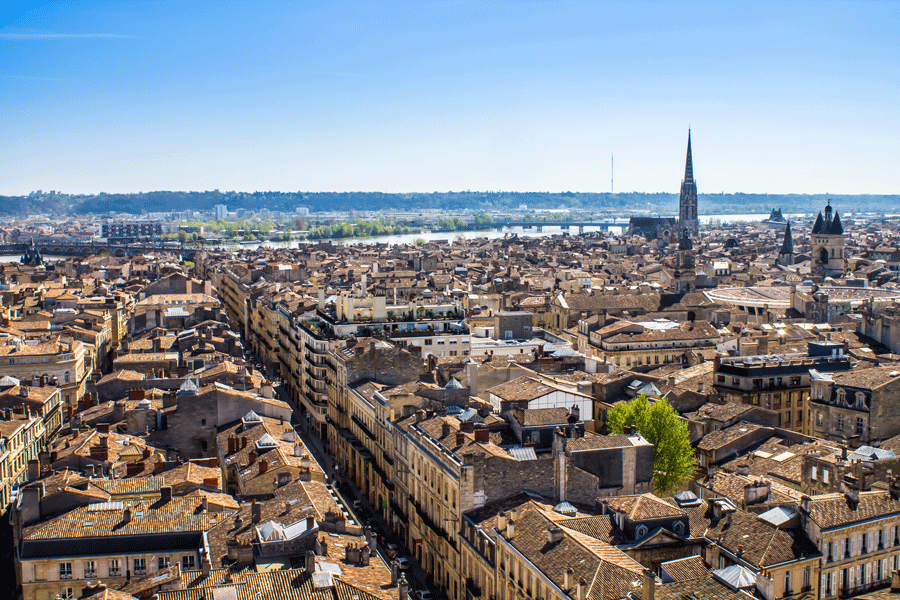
x=678, y=527
x=841, y=396
x=640, y=531
x=860, y=400
x=66, y=377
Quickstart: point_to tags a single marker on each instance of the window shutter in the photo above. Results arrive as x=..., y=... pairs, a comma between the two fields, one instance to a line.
x=884, y=569
x=852, y=546
x=843, y=548
x=868, y=572
x=824, y=583
x=869, y=546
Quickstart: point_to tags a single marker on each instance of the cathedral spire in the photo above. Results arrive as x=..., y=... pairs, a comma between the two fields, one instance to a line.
x=788, y=246
x=689, y=164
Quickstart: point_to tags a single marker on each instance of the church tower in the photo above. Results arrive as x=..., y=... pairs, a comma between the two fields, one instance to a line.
x=827, y=245
x=786, y=254
x=687, y=202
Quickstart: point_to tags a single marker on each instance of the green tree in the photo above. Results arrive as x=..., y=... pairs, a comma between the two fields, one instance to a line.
x=674, y=461
x=482, y=220
x=182, y=236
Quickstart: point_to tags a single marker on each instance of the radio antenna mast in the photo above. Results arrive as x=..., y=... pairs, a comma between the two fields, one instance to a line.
x=612, y=173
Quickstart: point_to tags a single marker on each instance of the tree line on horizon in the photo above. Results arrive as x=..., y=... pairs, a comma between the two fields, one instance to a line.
x=57, y=203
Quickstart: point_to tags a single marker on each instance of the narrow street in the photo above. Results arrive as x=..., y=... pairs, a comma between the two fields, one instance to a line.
x=364, y=514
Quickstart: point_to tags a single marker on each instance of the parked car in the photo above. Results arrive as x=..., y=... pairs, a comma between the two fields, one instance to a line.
x=403, y=563
x=392, y=549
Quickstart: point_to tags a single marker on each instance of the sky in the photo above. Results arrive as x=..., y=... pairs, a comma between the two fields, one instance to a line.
x=781, y=97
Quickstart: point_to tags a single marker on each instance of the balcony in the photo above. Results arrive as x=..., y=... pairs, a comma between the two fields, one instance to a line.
x=315, y=350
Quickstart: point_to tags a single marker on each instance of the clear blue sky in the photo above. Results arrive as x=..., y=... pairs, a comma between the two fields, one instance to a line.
x=781, y=96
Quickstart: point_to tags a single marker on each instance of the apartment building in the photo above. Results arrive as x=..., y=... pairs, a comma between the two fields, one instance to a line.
x=780, y=383
x=857, y=537
x=42, y=401
x=861, y=406
x=647, y=344
x=111, y=541
x=60, y=362
x=22, y=439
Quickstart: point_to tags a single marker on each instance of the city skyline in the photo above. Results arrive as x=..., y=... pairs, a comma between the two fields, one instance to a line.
x=126, y=97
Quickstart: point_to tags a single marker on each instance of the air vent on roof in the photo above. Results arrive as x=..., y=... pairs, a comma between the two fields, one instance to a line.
x=894, y=373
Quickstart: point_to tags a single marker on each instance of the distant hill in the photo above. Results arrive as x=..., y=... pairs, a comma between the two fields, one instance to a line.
x=665, y=203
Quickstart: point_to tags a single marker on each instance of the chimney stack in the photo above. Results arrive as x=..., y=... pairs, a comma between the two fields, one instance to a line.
x=649, y=585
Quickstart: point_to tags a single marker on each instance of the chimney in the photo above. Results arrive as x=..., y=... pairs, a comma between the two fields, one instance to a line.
x=310, y=561
x=103, y=428
x=445, y=429
x=23, y=391
x=403, y=587
x=671, y=381
x=298, y=450
x=895, y=487
x=310, y=522
x=420, y=416
x=554, y=534
x=581, y=590
x=472, y=377
x=255, y=512
x=501, y=521
x=243, y=442
x=482, y=436
x=205, y=566
x=510, y=529
x=743, y=469
x=159, y=467
x=263, y=466
x=126, y=515
x=460, y=438
x=757, y=492
x=569, y=579
x=211, y=482
x=146, y=453
x=850, y=488
x=43, y=381
x=204, y=504
x=649, y=591
x=103, y=441
x=712, y=556
x=34, y=469
x=165, y=494
x=133, y=469
x=251, y=458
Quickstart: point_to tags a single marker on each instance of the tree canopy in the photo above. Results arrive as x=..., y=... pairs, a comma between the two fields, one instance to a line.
x=674, y=461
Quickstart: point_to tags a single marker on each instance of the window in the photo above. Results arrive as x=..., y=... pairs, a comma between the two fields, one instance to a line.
x=187, y=561
x=840, y=422
x=65, y=570
x=202, y=422
x=67, y=592
x=824, y=476
x=819, y=418
x=860, y=425
x=860, y=400
x=90, y=569
x=841, y=396
x=140, y=566
x=812, y=473
x=114, y=570
x=787, y=583
x=162, y=563
x=640, y=531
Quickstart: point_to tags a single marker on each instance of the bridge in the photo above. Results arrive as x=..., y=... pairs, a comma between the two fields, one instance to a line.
x=539, y=225
x=90, y=249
